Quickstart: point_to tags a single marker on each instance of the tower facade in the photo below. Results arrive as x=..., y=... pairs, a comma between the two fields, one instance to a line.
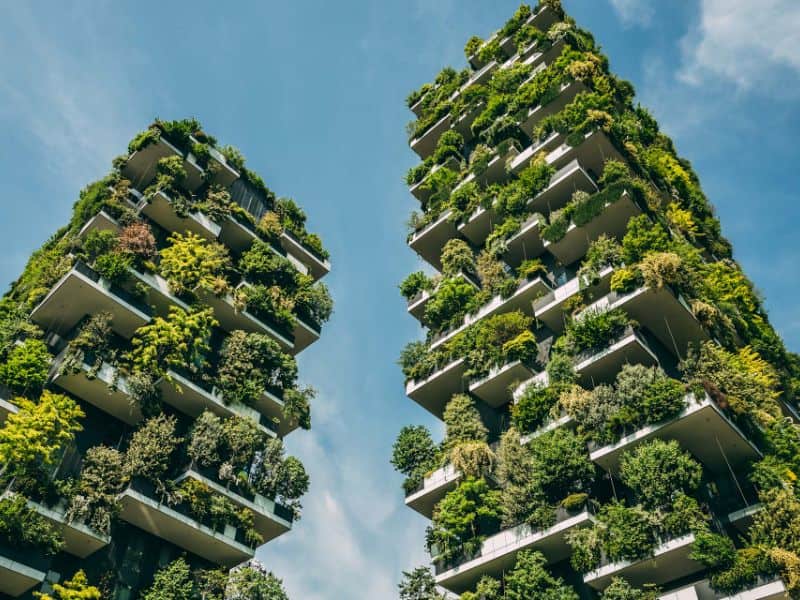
x=148, y=376
x=619, y=414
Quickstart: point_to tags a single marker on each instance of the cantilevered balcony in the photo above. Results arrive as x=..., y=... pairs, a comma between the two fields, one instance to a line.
x=317, y=265
x=140, y=168
x=602, y=366
x=670, y=561
x=495, y=171
x=429, y=241
x=420, y=190
x=550, y=308
x=239, y=234
x=156, y=291
x=663, y=312
x=541, y=19
x=190, y=395
x=765, y=589
x=568, y=179
x=498, y=553
x=417, y=304
x=522, y=300
x=79, y=539
x=161, y=209
x=83, y=291
x=270, y=519
x=102, y=221
x=21, y=569
x=612, y=221
x=495, y=388
x=140, y=507
x=743, y=517
x=566, y=94
x=702, y=428
x=433, y=488
x=548, y=146
x=231, y=317
x=434, y=391
x=220, y=172
x=425, y=143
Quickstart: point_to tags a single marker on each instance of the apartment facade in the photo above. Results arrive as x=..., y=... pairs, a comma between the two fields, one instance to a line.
x=587, y=339
x=149, y=348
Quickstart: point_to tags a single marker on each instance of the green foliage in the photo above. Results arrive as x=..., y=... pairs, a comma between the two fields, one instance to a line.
x=593, y=329
x=418, y=584
x=530, y=579
x=624, y=280
x=533, y=407
x=622, y=590
x=603, y=252
x=462, y=422
x=457, y=256
x=249, y=364
x=191, y=263
x=180, y=340
x=77, y=588
x=94, y=500
x=463, y=518
x=151, y=448
x=561, y=464
x=713, y=551
x=25, y=367
x=414, y=454
x=414, y=284
x=641, y=237
x=172, y=582
x=297, y=406
x=657, y=471
x=253, y=582
x=33, y=438
x=449, y=304
x=24, y=526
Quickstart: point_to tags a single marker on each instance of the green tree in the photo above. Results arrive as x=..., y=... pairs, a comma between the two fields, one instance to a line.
x=529, y=579
x=253, y=582
x=418, y=584
x=462, y=422
x=25, y=368
x=561, y=465
x=414, y=451
x=77, y=588
x=172, y=582
x=34, y=436
x=658, y=470
x=622, y=590
x=151, y=449
x=457, y=256
x=192, y=263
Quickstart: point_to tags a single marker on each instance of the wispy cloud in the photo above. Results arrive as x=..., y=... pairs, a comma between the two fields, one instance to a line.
x=634, y=12
x=76, y=106
x=747, y=43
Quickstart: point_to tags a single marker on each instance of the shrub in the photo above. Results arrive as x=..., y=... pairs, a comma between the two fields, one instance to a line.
x=643, y=236
x=449, y=304
x=532, y=408
x=25, y=368
x=418, y=584
x=613, y=171
x=253, y=582
x=628, y=533
x=603, y=252
x=472, y=459
x=561, y=464
x=658, y=470
x=191, y=263
x=457, y=257
x=297, y=406
x=594, y=329
x=530, y=579
x=77, y=588
x=624, y=280
x=415, y=284
x=622, y=590
x=560, y=369
x=462, y=422
x=714, y=551
x=522, y=348
x=137, y=239
x=172, y=582
x=472, y=46
x=449, y=145
x=94, y=501
x=26, y=527
x=531, y=268
x=661, y=268
x=414, y=454
x=150, y=450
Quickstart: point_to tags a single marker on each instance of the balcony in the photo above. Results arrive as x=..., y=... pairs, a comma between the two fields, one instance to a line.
x=434, y=487
x=102, y=221
x=495, y=173
x=270, y=408
x=425, y=143
x=157, y=292
x=550, y=308
x=429, y=241
x=417, y=304
x=21, y=569
x=612, y=221
x=566, y=94
x=82, y=291
x=79, y=539
x=238, y=234
x=140, y=168
x=663, y=312
x=434, y=392
x=742, y=518
x=495, y=388
x=702, y=429
x=498, y=553
x=548, y=145
x=139, y=507
x=191, y=396
x=161, y=210
x=521, y=300
x=104, y=388
x=305, y=332
x=221, y=172
x=542, y=19
x=765, y=589
x=270, y=519
x=317, y=266
x=669, y=562
x=231, y=318
x=602, y=366
x=420, y=192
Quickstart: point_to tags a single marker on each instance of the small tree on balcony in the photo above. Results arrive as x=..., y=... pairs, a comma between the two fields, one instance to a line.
x=172, y=582
x=25, y=368
x=192, y=263
x=150, y=450
x=254, y=582
x=530, y=579
x=418, y=584
x=414, y=454
x=77, y=588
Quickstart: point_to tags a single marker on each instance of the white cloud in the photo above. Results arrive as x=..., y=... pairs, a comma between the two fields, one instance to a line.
x=634, y=12
x=744, y=42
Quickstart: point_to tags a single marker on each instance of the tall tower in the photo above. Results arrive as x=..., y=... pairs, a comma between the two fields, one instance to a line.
x=619, y=413
x=148, y=374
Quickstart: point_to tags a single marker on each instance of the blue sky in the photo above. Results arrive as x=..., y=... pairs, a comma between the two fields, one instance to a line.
x=313, y=93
